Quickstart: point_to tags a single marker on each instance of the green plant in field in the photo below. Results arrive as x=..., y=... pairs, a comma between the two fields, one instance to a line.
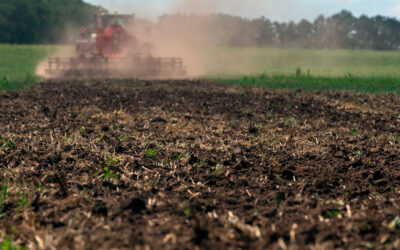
x=68, y=139
x=83, y=132
x=186, y=207
x=7, y=244
x=109, y=175
x=122, y=138
x=359, y=153
x=395, y=223
x=290, y=121
x=113, y=161
x=199, y=164
x=3, y=193
x=29, y=78
x=179, y=157
x=393, y=139
x=151, y=153
x=339, y=202
x=298, y=72
x=234, y=123
x=217, y=170
x=332, y=212
x=246, y=111
x=4, y=82
x=7, y=144
x=188, y=210
x=22, y=201
x=353, y=132
x=39, y=188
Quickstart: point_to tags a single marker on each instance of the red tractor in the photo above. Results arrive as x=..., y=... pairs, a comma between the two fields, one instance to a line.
x=113, y=52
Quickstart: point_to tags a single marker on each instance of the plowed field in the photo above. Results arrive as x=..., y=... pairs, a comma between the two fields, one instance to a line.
x=197, y=164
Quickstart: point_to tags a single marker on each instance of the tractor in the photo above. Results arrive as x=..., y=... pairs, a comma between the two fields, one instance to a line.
x=113, y=51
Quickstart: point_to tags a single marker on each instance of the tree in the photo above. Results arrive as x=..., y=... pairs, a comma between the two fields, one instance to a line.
x=41, y=21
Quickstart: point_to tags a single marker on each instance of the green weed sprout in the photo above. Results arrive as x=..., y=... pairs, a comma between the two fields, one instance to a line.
x=199, y=164
x=179, y=157
x=122, y=138
x=359, y=153
x=7, y=244
x=3, y=193
x=83, y=132
x=113, y=161
x=7, y=144
x=22, y=201
x=298, y=72
x=110, y=176
x=395, y=223
x=151, y=153
x=4, y=82
x=332, y=213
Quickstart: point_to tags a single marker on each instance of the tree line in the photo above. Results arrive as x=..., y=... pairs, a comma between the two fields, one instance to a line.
x=46, y=21
x=41, y=21
x=340, y=31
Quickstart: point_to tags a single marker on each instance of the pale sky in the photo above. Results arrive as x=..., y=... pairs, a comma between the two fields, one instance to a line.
x=276, y=10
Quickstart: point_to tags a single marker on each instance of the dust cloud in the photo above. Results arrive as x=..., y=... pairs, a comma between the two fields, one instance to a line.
x=186, y=31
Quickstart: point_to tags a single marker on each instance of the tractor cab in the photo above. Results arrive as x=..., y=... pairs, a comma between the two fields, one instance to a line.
x=112, y=34
x=117, y=19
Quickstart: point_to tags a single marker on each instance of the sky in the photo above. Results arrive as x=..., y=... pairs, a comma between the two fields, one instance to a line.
x=276, y=10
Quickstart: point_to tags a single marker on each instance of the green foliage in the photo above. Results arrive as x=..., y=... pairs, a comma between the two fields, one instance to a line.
x=353, y=132
x=309, y=83
x=216, y=170
x=22, y=201
x=83, y=132
x=41, y=21
x=8, y=244
x=395, y=223
x=393, y=139
x=110, y=176
x=332, y=212
x=290, y=121
x=179, y=157
x=7, y=144
x=298, y=72
x=68, y=139
x=188, y=210
x=113, y=161
x=4, y=82
x=324, y=67
x=151, y=153
x=361, y=71
x=18, y=64
x=358, y=153
x=3, y=192
x=122, y=138
x=199, y=164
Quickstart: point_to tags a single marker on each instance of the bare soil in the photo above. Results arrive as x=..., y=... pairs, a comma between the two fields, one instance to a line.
x=198, y=164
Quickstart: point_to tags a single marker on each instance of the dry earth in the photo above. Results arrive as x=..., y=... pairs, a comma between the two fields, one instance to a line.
x=197, y=164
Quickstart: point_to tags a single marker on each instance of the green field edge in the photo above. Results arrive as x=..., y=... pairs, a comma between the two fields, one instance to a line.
x=375, y=85
x=7, y=85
